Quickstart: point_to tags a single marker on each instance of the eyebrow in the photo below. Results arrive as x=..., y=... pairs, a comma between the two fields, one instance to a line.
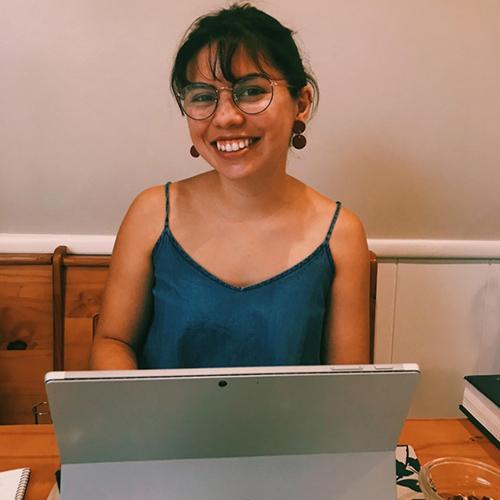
x=248, y=75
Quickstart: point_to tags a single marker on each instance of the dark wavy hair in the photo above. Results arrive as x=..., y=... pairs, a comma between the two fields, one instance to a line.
x=242, y=25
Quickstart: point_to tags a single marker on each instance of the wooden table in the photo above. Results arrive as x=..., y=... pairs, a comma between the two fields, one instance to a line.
x=31, y=446
x=448, y=438
x=35, y=446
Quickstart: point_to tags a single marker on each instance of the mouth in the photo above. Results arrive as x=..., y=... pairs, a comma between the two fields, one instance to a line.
x=234, y=145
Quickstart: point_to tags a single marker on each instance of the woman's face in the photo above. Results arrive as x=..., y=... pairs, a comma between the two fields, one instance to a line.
x=267, y=133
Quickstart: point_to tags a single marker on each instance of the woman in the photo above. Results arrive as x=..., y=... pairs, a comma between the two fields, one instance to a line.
x=242, y=265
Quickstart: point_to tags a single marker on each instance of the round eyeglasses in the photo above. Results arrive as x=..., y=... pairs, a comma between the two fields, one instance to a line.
x=252, y=94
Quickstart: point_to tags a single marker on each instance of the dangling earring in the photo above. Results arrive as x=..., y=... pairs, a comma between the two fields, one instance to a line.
x=298, y=140
x=194, y=152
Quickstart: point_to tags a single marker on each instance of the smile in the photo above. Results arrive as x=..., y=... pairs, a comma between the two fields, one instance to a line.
x=233, y=145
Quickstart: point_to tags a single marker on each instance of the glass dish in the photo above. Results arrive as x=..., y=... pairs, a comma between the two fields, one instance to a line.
x=457, y=478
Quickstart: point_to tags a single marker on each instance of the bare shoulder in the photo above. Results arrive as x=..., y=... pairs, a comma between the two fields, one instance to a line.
x=149, y=200
x=145, y=217
x=348, y=241
x=348, y=228
x=348, y=235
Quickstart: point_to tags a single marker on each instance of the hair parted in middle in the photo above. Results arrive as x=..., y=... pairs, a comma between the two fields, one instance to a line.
x=241, y=25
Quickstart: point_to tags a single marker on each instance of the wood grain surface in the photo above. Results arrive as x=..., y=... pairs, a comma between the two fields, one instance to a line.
x=83, y=296
x=31, y=309
x=448, y=438
x=58, y=280
x=25, y=320
x=16, y=259
x=31, y=446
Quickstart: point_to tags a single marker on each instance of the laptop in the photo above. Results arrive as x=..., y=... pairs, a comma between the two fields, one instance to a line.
x=263, y=433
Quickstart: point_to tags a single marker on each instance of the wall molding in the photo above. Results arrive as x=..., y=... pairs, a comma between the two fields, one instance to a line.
x=95, y=244
x=435, y=249
x=82, y=244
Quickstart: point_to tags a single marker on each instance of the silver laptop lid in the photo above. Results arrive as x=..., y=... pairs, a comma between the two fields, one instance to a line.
x=114, y=416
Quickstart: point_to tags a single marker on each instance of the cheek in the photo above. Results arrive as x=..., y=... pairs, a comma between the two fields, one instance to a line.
x=283, y=130
x=195, y=129
x=284, y=122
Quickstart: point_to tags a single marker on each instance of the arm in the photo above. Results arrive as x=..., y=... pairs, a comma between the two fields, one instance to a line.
x=347, y=335
x=127, y=304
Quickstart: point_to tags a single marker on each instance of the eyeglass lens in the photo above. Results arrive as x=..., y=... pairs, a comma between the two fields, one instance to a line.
x=251, y=94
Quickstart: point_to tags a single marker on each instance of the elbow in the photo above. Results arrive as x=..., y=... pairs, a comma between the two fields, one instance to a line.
x=109, y=353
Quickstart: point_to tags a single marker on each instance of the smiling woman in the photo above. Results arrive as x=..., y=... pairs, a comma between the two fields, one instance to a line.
x=243, y=265
x=257, y=108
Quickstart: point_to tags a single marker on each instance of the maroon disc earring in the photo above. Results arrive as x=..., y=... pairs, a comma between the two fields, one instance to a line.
x=194, y=152
x=298, y=140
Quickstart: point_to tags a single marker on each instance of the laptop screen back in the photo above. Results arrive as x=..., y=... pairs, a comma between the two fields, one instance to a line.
x=180, y=416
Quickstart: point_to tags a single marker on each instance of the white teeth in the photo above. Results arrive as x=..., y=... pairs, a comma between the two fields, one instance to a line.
x=235, y=145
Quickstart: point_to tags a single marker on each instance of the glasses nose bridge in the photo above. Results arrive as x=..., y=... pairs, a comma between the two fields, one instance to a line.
x=228, y=89
x=220, y=89
x=231, y=100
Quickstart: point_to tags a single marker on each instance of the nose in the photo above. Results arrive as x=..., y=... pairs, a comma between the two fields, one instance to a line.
x=227, y=113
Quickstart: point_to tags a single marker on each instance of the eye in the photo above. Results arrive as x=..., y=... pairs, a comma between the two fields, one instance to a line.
x=198, y=95
x=201, y=98
x=250, y=92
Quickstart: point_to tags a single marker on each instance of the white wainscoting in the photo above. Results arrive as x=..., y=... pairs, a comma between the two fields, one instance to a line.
x=443, y=315
x=438, y=305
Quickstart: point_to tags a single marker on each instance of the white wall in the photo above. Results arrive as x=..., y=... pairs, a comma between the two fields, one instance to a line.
x=407, y=133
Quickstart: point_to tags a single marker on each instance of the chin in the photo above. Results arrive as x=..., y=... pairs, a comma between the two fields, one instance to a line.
x=235, y=172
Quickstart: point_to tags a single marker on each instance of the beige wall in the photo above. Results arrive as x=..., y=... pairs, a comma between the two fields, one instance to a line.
x=407, y=134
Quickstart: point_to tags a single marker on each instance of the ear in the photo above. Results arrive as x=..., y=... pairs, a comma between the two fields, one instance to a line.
x=304, y=103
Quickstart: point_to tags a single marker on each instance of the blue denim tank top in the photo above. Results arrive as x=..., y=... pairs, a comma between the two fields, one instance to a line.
x=201, y=321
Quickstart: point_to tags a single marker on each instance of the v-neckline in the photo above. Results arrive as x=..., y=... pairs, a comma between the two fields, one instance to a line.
x=245, y=288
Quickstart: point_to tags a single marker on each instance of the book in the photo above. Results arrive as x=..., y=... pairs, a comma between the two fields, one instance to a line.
x=13, y=483
x=54, y=493
x=481, y=404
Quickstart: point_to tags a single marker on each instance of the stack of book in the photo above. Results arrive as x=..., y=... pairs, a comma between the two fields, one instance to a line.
x=481, y=404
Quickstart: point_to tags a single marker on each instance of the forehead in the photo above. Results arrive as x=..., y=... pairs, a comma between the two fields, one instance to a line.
x=205, y=66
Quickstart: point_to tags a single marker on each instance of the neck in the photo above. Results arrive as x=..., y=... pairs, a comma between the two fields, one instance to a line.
x=246, y=200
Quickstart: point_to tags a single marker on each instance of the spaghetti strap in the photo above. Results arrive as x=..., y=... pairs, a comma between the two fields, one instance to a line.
x=167, y=202
x=334, y=220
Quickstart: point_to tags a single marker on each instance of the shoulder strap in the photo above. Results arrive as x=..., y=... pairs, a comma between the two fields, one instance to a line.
x=334, y=220
x=167, y=201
